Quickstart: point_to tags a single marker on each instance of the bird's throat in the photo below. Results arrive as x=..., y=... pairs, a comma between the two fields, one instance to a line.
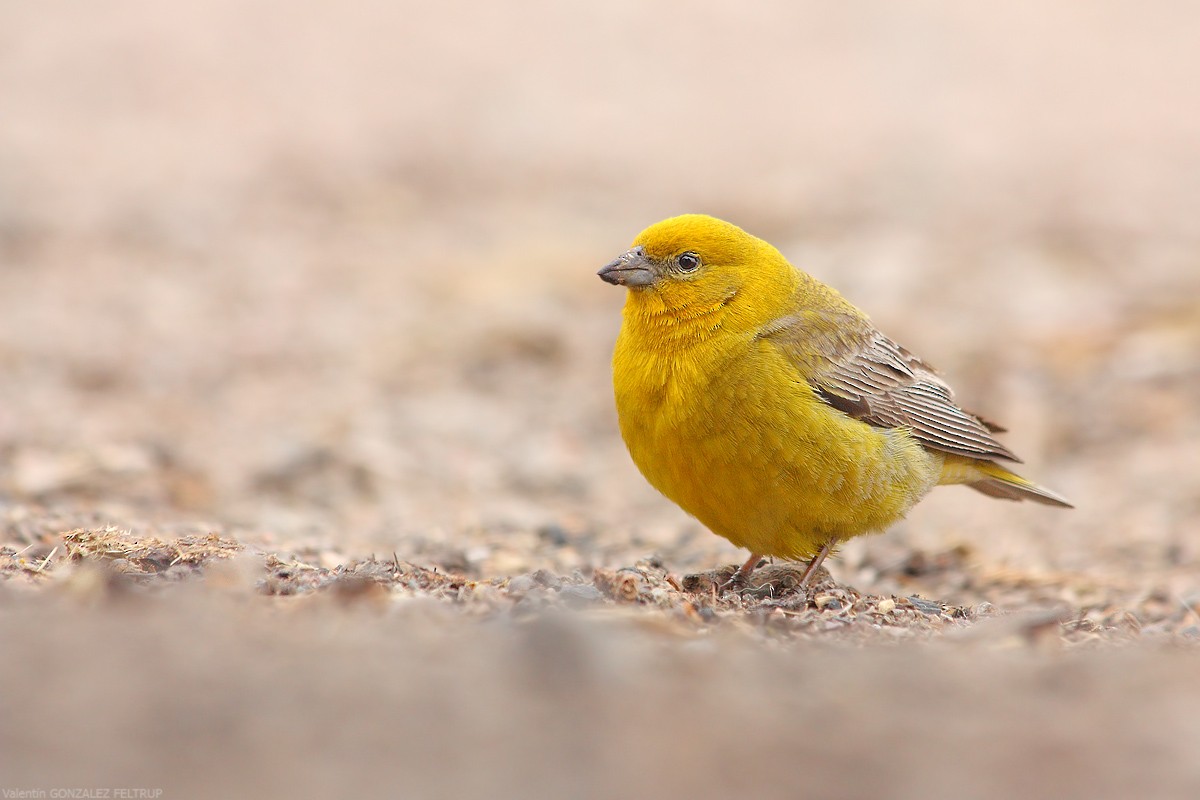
x=663, y=327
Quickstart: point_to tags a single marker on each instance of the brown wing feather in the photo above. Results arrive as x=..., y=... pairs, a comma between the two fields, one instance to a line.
x=862, y=373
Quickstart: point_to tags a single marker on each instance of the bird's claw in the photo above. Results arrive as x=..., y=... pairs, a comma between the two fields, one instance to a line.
x=736, y=583
x=739, y=583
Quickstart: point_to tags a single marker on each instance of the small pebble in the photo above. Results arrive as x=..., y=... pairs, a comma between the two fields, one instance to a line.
x=580, y=595
x=925, y=606
x=544, y=577
x=827, y=601
x=520, y=585
x=554, y=534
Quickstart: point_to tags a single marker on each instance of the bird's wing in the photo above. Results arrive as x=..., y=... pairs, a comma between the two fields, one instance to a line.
x=862, y=373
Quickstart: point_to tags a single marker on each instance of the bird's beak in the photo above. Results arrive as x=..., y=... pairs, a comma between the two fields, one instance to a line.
x=631, y=269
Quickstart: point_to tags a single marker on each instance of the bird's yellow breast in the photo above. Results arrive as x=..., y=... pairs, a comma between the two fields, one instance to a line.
x=727, y=429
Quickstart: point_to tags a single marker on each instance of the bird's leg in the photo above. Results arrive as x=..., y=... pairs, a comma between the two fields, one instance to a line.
x=738, y=579
x=745, y=569
x=816, y=562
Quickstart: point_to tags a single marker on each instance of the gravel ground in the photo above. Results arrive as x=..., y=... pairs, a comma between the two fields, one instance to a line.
x=310, y=481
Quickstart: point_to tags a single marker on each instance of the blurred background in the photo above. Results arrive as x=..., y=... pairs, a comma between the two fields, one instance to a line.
x=323, y=275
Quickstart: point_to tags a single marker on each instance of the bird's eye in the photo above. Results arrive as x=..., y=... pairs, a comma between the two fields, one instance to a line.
x=689, y=262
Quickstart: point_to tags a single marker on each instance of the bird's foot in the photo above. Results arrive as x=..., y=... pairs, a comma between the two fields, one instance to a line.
x=739, y=581
x=726, y=579
x=751, y=582
x=736, y=582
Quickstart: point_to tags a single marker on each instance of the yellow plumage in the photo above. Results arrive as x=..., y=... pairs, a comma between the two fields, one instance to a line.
x=769, y=408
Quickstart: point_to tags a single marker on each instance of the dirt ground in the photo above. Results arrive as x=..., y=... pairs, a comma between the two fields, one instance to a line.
x=310, y=481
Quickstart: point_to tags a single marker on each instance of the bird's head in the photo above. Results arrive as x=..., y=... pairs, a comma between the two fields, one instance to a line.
x=694, y=264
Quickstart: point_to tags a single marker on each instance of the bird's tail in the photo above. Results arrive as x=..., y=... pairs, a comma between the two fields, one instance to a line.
x=999, y=482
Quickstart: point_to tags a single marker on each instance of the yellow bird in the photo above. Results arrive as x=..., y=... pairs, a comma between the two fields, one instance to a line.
x=771, y=409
